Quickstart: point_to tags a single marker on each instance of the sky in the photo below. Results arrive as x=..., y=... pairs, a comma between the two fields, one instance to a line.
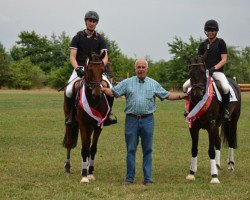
x=139, y=27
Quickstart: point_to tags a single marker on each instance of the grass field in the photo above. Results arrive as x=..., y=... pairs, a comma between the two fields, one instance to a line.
x=32, y=157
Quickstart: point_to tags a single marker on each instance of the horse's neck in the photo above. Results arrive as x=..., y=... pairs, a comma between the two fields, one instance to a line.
x=95, y=102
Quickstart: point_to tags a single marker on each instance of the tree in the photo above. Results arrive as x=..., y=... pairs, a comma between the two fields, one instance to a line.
x=177, y=70
x=4, y=66
x=45, y=53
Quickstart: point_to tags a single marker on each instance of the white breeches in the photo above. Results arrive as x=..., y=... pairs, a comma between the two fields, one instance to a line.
x=186, y=85
x=74, y=77
x=216, y=76
x=223, y=81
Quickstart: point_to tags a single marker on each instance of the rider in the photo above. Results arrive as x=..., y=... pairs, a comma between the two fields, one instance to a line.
x=215, y=51
x=85, y=41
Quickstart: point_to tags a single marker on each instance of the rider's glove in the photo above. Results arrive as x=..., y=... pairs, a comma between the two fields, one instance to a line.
x=79, y=71
x=211, y=71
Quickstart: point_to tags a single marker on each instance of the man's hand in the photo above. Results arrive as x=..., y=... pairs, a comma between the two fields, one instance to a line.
x=107, y=91
x=79, y=71
x=183, y=96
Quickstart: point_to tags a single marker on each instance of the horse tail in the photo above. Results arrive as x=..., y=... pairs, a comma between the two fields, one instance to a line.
x=225, y=133
x=71, y=136
x=229, y=129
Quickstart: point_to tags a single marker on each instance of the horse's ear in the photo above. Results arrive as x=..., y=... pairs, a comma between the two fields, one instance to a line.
x=103, y=54
x=200, y=59
x=204, y=56
x=89, y=55
x=188, y=59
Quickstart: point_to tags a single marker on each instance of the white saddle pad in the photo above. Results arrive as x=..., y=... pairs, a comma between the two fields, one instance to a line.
x=232, y=93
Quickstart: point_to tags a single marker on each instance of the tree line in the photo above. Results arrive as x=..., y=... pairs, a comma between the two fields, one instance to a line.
x=37, y=61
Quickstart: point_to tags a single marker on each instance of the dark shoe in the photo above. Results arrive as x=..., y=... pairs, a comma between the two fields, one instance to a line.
x=147, y=183
x=110, y=121
x=127, y=183
x=185, y=113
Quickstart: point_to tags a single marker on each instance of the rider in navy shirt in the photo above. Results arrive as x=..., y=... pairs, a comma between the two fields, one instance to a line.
x=84, y=42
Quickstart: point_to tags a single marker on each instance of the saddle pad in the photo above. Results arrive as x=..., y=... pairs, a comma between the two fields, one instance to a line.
x=232, y=93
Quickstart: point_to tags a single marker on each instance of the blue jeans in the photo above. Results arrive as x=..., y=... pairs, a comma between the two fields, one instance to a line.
x=135, y=128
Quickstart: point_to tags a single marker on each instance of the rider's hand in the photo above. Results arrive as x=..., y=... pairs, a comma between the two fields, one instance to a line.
x=211, y=71
x=79, y=71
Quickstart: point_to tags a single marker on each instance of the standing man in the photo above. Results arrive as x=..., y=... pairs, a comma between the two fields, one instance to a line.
x=215, y=51
x=85, y=41
x=140, y=92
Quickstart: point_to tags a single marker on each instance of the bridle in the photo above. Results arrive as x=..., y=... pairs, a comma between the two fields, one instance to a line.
x=89, y=83
x=200, y=86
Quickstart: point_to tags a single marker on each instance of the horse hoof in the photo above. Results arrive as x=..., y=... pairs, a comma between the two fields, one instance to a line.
x=84, y=180
x=215, y=181
x=230, y=168
x=190, y=177
x=91, y=177
x=218, y=166
x=67, y=174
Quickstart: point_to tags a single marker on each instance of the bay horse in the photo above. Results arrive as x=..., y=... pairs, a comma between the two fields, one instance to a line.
x=90, y=107
x=210, y=118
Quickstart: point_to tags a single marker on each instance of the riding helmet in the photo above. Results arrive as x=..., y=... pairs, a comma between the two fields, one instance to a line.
x=91, y=15
x=211, y=24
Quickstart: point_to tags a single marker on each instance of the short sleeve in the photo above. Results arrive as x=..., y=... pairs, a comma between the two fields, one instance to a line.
x=102, y=44
x=222, y=47
x=74, y=43
x=160, y=92
x=120, y=88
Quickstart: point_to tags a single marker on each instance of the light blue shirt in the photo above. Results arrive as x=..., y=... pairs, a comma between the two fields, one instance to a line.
x=140, y=97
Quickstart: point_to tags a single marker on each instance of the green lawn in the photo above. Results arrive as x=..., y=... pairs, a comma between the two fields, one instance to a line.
x=32, y=157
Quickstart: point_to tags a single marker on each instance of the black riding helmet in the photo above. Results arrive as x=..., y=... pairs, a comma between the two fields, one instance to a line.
x=91, y=15
x=211, y=24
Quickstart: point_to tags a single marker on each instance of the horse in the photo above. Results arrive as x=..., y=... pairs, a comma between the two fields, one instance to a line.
x=209, y=118
x=85, y=120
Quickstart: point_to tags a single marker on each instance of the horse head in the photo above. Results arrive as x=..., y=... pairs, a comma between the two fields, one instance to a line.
x=198, y=79
x=93, y=72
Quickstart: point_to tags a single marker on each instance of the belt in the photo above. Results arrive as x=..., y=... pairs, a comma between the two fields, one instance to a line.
x=140, y=116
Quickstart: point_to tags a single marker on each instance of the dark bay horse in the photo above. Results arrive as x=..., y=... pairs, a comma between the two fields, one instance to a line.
x=90, y=111
x=210, y=118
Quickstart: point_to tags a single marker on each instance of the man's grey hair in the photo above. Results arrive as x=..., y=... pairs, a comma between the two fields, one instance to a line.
x=141, y=59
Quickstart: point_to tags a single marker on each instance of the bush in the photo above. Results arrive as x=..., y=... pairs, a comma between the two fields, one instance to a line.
x=24, y=75
x=58, y=77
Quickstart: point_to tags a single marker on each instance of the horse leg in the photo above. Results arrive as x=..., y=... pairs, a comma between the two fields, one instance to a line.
x=86, y=137
x=67, y=162
x=232, y=144
x=93, y=151
x=194, y=132
x=69, y=142
x=217, y=148
x=211, y=151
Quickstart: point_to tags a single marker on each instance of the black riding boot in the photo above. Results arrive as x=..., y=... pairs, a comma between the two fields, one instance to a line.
x=225, y=107
x=110, y=121
x=69, y=106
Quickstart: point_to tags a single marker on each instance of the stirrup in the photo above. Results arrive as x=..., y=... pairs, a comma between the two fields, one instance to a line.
x=226, y=116
x=68, y=120
x=110, y=121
